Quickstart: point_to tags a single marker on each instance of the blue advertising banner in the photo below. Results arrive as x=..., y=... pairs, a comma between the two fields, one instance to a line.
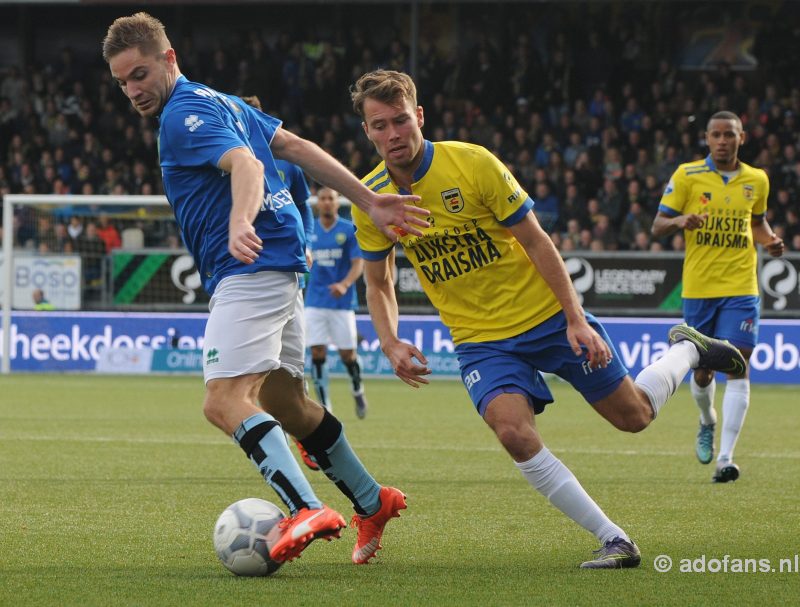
x=62, y=341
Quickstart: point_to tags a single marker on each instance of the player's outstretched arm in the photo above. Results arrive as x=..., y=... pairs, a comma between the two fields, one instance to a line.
x=247, y=189
x=548, y=262
x=382, y=305
x=387, y=211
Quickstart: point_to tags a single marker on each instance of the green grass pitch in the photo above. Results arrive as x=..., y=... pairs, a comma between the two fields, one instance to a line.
x=110, y=486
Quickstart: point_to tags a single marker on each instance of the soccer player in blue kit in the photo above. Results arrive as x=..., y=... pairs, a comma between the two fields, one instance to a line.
x=244, y=232
x=331, y=297
x=503, y=291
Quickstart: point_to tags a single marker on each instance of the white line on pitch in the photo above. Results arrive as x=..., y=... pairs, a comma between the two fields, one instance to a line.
x=439, y=447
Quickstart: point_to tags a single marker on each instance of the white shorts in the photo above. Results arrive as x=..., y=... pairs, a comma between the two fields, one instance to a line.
x=255, y=326
x=331, y=327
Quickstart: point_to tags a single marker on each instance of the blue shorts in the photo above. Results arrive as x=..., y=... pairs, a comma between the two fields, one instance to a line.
x=732, y=318
x=515, y=365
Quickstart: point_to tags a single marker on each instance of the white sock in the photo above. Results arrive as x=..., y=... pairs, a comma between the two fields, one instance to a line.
x=734, y=408
x=660, y=380
x=545, y=472
x=704, y=397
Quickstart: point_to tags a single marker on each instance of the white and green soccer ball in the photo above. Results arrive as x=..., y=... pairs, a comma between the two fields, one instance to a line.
x=244, y=534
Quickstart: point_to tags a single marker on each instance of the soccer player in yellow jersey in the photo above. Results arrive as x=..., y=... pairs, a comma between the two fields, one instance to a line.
x=502, y=289
x=720, y=202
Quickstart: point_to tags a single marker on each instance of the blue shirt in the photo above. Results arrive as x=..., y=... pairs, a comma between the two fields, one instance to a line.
x=295, y=180
x=334, y=251
x=292, y=175
x=198, y=127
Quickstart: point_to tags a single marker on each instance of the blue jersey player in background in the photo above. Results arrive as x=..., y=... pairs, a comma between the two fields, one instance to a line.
x=331, y=298
x=241, y=226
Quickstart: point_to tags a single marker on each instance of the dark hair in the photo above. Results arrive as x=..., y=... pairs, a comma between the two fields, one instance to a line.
x=725, y=115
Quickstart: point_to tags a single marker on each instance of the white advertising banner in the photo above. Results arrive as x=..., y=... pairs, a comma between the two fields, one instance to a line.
x=58, y=276
x=125, y=360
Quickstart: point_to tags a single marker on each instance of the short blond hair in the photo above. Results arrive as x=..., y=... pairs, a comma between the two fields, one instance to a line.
x=141, y=31
x=386, y=86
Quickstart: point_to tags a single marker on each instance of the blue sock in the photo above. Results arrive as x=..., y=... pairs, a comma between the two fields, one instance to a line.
x=330, y=448
x=319, y=373
x=261, y=438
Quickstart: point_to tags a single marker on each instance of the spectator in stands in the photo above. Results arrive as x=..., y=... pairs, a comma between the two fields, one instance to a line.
x=546, y=208
x=40, y=303
x=604, y=233
x=641, y=241
x=92, y=250
x=574, y=149
x=636, y=221
x=792, y=223
x=573, y=233
x=46, y=234
x=63, y=241
x=108, y=233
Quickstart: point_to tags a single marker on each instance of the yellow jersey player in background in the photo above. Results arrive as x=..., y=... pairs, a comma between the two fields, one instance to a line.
x=721, y=203
x=502, y=289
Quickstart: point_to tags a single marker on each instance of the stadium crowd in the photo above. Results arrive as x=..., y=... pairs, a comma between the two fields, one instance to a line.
x=592, y=125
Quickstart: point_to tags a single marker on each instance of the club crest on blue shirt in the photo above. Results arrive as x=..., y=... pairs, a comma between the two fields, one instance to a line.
x=748, y=192
x=340, y=238
x=453, y=201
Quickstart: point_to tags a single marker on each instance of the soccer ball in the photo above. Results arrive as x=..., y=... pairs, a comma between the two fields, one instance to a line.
x=244, y=534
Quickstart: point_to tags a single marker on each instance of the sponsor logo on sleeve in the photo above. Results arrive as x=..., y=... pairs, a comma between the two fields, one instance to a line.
x=193, y=122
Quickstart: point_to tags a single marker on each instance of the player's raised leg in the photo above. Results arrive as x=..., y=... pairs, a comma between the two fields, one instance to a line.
x=627, y=408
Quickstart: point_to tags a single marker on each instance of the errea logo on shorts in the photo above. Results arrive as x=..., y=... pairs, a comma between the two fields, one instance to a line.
x=193, y=122
x=212, y=356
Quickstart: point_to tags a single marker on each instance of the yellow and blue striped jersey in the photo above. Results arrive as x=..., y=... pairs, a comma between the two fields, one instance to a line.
x=721, y=256
x=471, y=267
